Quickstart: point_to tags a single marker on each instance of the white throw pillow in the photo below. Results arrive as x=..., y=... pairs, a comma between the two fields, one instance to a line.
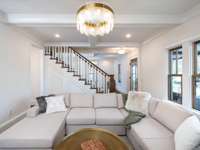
x=187, y=136
x=55, y=104
x=138, y=101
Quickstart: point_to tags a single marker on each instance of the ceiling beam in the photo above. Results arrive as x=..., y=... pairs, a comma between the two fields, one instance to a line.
x=70, y=20
x=98, y=45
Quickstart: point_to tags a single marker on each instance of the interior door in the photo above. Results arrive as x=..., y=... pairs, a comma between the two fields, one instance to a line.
x=134, y=74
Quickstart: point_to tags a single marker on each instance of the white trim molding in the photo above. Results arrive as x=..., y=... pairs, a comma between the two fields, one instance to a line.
x=70, y=20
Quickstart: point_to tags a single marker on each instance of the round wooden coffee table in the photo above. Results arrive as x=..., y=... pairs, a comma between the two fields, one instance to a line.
x=109, y=140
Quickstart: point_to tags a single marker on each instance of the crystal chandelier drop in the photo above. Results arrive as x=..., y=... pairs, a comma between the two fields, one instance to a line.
x=95, y=19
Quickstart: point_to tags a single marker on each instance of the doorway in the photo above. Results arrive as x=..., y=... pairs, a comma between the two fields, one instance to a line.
x=134, y=74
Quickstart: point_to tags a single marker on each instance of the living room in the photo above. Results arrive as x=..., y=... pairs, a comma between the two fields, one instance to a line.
x=109, y=61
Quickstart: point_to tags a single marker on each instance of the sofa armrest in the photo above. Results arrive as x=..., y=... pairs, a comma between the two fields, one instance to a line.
x=32, y=112
x=4, y=126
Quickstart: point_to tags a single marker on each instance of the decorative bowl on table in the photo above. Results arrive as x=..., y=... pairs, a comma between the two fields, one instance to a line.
x=92, y=139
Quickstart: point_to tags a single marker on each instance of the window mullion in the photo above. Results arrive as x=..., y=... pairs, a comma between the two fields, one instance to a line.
x=177, y=61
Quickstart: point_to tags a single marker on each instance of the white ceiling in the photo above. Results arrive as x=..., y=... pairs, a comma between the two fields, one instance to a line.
x=119, y=6
x=142, y=18
x=70, y=34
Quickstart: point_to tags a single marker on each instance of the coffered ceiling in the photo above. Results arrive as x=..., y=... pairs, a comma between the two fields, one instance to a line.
x=141, y=18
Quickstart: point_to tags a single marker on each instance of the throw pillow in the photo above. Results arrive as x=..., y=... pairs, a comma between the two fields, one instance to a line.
x=187, y=136
x=42, y=103
x=132, y=118
x=138, y=101
x=55, y=104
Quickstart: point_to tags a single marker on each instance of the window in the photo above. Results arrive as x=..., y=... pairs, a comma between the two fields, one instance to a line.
x=134, y=75
x=196, y=76
x=175, y=75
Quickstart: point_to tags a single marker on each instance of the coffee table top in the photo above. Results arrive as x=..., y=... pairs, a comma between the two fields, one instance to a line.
x=110, y=140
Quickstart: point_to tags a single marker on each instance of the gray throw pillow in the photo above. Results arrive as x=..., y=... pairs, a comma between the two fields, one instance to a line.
x=197, y=148
x=132, y=118
x=42, y=103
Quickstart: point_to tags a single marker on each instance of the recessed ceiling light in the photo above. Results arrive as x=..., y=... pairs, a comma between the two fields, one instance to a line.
x=57, y=35
x=121, y=51
x=128, y=35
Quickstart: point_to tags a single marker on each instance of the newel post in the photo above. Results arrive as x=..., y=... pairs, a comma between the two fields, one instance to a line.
x=112, y=85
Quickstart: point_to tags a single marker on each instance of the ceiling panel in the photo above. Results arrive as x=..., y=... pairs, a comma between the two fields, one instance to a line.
x=46, y=34
x=70, y=34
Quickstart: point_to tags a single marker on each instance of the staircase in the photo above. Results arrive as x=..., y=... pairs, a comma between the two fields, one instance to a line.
x=81, y=67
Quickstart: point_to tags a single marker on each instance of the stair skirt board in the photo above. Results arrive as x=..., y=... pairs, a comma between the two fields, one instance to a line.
x=119, y=130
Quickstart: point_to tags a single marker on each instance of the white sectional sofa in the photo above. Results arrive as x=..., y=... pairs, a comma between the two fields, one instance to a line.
x=83, y=111
x=154, y=132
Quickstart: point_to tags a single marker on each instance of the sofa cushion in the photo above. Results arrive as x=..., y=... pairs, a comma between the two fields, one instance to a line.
x=109, y=116
x=81, y=100
x=151, y=135
x=170, y=114
x=105, y=100
x=38, y=132
x=81, y=116
x=187, y=136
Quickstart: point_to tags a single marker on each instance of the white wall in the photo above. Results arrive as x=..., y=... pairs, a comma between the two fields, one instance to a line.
x=15, y=90
x=154, y=60
x=106, y=64
x=124, y=60
x=58, y=80
x=36, y=67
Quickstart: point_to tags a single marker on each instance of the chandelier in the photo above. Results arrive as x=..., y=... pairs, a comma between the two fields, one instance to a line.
x=95, y=19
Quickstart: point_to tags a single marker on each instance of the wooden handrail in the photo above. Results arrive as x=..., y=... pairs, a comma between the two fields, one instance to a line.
x=71, y=59
x=90, y=61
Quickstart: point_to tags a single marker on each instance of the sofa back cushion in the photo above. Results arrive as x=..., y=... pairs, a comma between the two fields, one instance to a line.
x=105, y=100
x=81, y=100
x=170, y=114
x=66, y=98
x=153, y=103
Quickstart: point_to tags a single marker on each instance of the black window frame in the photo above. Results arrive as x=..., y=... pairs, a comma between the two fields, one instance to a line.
x=172, y=75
